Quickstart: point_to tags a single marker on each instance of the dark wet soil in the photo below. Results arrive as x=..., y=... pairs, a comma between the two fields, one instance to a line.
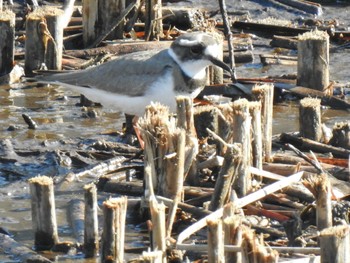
x=64, y=127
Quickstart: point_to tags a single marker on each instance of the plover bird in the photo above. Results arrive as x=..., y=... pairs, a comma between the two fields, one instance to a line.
x=130, y=82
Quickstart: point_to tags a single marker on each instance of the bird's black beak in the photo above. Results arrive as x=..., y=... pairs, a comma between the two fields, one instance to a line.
x=224, y=66
x=220, y=64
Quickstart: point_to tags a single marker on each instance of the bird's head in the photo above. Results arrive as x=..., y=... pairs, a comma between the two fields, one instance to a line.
x=195, y=51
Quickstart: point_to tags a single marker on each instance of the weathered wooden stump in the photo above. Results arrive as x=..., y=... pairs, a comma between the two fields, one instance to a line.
x=264, y=93
x=241, y=134
x=91, y=239
x=341, y=135
x=113, y=236
x=7, y=41
x=43, y=212
x=215, y=241
x=153, y=23
x=44, y=41
x=233, y=236
x=335, y=244
x=313, y=60
x=310, y=119
x=257, y=147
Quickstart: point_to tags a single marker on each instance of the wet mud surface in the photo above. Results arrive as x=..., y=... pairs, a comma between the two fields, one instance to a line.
x=65, y=128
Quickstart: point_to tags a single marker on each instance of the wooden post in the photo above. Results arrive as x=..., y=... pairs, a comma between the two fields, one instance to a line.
x=215, y=241
x=153, y=23
x=320, y=187
x=114, y=212
x=264, y=93
x=75, y=213
x=98, y=18
x=91, y=242
x=44, y=41
x=43, y=212
x=216, y=74
x=241, y=134
x=230, y=169
x=257, y=147
x=313, y=60
x=233, y=236
x=310, y=119
x=158, y=226
x=7, y=41
x=335, y=244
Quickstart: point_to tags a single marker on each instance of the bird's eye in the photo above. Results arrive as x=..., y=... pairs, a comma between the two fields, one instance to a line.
x=196, y=49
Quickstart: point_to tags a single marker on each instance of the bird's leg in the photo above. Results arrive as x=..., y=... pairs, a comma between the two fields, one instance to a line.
x=137, y=132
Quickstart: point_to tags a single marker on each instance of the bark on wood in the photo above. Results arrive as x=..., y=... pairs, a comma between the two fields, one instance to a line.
x=313, y=60
x=113, y=236
x=43, y=212
x=241, y=134
x=153, y=23
x=228, y=173
x=20, y=252
x=44, y=41
x=91, y=238
x=264, y=93
x=76, y=218
x=335, y=244
x=215, y=241
x=320, y=187
x=7, y=41
x=310, y=119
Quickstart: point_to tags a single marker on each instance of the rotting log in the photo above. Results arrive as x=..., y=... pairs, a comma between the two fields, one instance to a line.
x=229, y=171
x=19, y=251
x=267, y=59
x=341, y=135
x=320, y=187
x=264, y=94
x=76, y=218
x=7, y=41
x=44, y=41
x=284, y=42
x=241, y=127
x=307, y=144
x=215, y=241
x=91, y=237
x=306, y=6
x=113, y=235
x=310, y=119
x=313, y=60
x=43, y=212
x=335, y=244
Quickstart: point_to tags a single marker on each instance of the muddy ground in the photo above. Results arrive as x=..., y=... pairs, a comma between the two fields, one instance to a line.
x=65, y=131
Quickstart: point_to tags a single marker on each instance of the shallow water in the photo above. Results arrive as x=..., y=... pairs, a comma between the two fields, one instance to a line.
x=59, y=118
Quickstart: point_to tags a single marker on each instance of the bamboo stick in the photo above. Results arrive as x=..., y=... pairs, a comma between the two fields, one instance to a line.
x=43, y=212
x=114, y=211
x=313, y=60
x=91, y=238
